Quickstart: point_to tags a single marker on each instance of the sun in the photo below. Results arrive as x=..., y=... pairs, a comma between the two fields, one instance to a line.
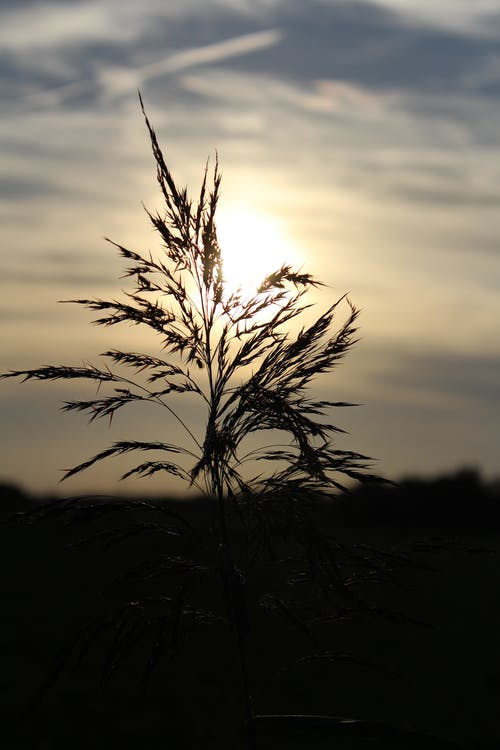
x=253, y=245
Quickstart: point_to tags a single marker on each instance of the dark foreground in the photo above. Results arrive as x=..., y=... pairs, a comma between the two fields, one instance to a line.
x=436, y=672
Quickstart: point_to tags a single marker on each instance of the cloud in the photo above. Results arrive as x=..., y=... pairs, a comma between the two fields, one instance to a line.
x=91, y=46
x=16, y=187
x=114, y=80
x=438, y=193
x=462, y=16
x=450, y=379
x=118, y=81
x=56, y=277
x=48, y=25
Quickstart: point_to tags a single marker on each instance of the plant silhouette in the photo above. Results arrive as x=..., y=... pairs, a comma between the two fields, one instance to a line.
x=251, y=373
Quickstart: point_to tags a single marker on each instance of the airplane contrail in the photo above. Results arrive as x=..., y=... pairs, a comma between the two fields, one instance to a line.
x=120, y=80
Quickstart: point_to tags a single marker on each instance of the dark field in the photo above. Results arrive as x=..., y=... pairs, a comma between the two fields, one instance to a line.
x=435, y=672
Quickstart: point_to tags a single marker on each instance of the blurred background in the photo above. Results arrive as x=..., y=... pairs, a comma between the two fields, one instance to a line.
x=359, y=140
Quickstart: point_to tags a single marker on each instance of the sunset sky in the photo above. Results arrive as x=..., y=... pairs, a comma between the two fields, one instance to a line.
x=363, y=138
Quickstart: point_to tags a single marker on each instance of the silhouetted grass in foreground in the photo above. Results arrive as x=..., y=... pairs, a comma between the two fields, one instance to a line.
x=266, y=456
x=265, y=583
x=437, y=673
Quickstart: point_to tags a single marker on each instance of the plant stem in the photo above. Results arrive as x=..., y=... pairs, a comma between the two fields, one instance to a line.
x=234, y=607
x=231, y=596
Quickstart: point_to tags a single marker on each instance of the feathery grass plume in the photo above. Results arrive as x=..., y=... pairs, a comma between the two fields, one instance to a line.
x=210, y=338
x=240, y=357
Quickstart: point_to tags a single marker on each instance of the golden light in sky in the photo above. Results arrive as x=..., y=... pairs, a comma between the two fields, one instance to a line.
x=253, y=246
x=380, y=180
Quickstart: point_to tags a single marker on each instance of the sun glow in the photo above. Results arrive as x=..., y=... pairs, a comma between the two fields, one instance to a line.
x=253, y=246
